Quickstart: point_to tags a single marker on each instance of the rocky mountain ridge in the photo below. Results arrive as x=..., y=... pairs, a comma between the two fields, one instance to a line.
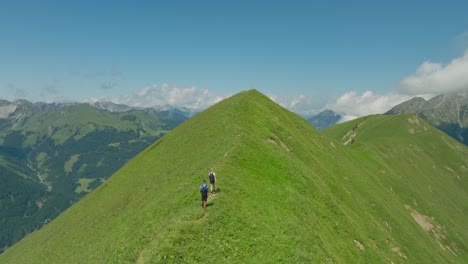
x=447, y=112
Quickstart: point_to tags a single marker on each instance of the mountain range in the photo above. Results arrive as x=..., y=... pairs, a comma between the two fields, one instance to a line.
x=51, y=155
x=448, y=113
x=378, y=189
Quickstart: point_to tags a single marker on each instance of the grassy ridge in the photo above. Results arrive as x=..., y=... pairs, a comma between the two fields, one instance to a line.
x=287, y=194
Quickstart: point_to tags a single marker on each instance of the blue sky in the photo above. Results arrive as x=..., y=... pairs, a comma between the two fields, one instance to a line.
x=306, y=55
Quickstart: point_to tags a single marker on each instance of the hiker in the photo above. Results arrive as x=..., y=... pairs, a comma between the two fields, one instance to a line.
x=204, y=193
x=212, y=177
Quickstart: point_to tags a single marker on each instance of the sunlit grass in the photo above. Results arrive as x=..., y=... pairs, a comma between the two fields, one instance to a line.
x=287, y=194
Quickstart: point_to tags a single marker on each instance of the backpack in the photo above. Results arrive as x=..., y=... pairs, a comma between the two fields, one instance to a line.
x=212, y=177
x=204, y=189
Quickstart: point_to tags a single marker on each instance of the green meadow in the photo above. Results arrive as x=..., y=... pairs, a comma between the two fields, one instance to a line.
x=379, y=189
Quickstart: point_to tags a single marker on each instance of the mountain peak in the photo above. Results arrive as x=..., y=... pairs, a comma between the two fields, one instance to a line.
x=325, y=119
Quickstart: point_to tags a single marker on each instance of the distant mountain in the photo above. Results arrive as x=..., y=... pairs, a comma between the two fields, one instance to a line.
x=378, y=189
x=51, y=155
x=112, y=107
x=324, y=119
x=448, y=112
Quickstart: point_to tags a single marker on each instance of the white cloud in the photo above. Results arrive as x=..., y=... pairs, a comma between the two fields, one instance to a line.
x=303, y=105
x=435, y=78
x=429, y=79
x=167, y=95
x=353, y=105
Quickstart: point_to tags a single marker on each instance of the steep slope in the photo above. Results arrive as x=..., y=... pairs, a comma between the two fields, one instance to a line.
x=287, y=194
x=447, y=112
x=422, y=165
x=51, y=155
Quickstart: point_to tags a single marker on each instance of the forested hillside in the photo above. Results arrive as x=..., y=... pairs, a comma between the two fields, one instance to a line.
x=51, y=155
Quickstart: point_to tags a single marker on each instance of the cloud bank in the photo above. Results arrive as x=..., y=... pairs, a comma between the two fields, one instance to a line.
x=166, y=95
x=353, y=105
x=303, y=105
x=436, y=78
x=429, y=79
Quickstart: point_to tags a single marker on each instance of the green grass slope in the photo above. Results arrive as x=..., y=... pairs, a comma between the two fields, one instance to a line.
x=424, y=167
x=287, y=194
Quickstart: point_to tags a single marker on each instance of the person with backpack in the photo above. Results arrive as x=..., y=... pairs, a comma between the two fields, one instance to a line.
x=204, y=193
x=212, y=177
